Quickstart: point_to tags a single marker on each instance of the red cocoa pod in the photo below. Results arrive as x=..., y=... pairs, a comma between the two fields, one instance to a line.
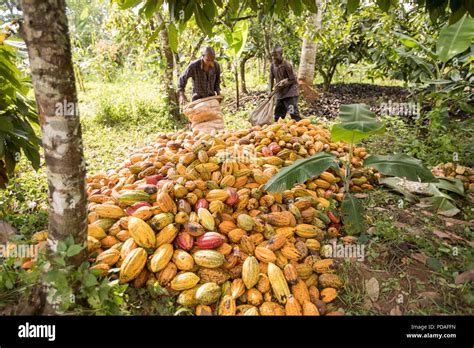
x=185, y=241
x=233, y=196
x=201, y=203
x=153, y=179
x=266, y=152
x=327, y=194
x=210, y=240
x=274, y=147
x=134, y=207
x=334, y=219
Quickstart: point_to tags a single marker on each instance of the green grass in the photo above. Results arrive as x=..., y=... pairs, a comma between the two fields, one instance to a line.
x=394, y=236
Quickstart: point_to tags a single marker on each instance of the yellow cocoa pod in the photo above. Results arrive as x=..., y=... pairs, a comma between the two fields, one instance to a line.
x=328, y=280
x=109, y=257
x=167, y=235
x=208, y=293
x=132, y=265
x=184, y=281
x=96, y=231
x=324, y=266
x=217, y=195
x=328, y=295
x=292, y=307
x=166, y=203
x=278, y=282
x=167, y=274
x=250, y=272
x=141, y=232
x=183, y=260
x=309, y=231
x=209, y=258
x=310, y=309
x=161, y=257
x=206, y=219
x=109, y=211
x=227, y=306
x=300, y=292
x=264, y=254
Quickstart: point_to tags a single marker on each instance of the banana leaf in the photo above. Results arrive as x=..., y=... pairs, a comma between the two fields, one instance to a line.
x=401, y=165
x=357, y=123
x=352, y=215
x=300, y=171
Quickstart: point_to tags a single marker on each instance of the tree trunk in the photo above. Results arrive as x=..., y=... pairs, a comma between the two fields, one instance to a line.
x=236, y=73
x=45, y=31
x=308, y=49
x=243, y=84
x=168, y=80
x=329, y=75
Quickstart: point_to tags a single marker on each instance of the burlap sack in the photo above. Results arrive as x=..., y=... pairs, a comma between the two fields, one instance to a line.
x=209, y=126
x=202, y=110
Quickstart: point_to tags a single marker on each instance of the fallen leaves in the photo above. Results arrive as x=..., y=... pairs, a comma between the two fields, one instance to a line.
x=396, y=310
x=372, y=288
x=420, y=257
x=448, y=235
x=464, y=277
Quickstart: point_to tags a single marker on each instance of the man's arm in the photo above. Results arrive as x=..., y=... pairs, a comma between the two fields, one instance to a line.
x=217, y=86
x=183, y=79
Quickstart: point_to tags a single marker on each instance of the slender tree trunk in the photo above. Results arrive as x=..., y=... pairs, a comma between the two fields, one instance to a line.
x=243, y=87
x=308, y=49
x=45, y=31
x=243, y=84
x=236, y=73
x=168, y=80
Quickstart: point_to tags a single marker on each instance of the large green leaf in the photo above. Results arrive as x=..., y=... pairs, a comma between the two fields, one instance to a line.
x=149, y=8
x=357, y=123
x=352, y=215
x=384, y=5
x=401, y=165
x=300, y=171
x=311, y=5
x=173, y=37
x=352, y=5
x=296, y=6
x=202, y=21
x=443, y=205
x=455, y=38
x=452, y=185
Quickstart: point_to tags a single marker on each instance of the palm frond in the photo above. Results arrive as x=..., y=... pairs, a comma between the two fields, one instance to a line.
x=300, y=171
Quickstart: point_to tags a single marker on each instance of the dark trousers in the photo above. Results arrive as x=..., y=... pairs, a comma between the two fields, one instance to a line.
x=285, y=105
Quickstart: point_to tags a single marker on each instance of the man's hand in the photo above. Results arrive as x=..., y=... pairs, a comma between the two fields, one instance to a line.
x=182, y=98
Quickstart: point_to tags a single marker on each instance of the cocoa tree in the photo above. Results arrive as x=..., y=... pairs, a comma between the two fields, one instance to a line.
x=168, y=80
x=45, y=31
x=308, y=48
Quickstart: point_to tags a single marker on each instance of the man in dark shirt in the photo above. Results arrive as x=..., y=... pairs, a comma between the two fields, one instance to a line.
x=206, y=75
x=287, y=90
